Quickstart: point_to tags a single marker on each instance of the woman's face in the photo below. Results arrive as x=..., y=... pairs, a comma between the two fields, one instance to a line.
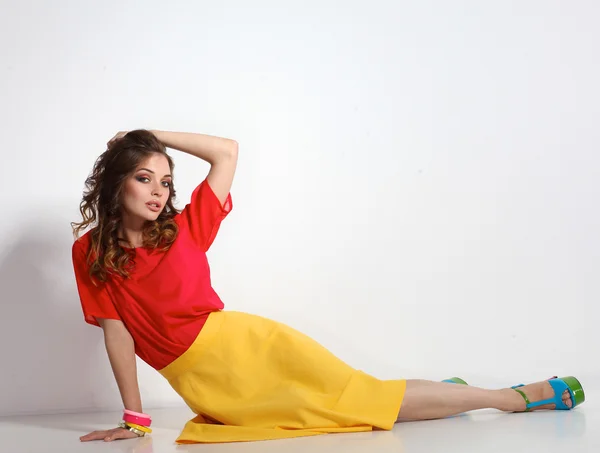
x=147, y=190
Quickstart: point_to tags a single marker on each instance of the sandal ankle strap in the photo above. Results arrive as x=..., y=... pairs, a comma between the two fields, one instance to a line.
x=527, y=402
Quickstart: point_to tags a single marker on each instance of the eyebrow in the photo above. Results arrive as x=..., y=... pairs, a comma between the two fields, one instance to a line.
x=150, y=171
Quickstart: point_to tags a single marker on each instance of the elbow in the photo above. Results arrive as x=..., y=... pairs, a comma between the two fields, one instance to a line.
x=226, y=152
x=233, y=148
x=230, y=153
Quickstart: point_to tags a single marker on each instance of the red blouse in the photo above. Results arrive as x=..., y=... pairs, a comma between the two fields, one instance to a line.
x=169, y=296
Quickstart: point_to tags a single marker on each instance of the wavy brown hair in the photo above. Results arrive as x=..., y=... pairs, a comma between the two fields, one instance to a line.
x=101, y=205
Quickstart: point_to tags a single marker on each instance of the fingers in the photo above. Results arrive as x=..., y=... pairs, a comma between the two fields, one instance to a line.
x=108, y=436
x=95, y=435
x=116, y=137
x=112, y=141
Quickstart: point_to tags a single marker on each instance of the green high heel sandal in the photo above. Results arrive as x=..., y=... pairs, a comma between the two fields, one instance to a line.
x=559, y=385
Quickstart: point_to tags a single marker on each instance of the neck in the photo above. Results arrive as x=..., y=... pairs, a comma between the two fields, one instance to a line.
x=131, y=230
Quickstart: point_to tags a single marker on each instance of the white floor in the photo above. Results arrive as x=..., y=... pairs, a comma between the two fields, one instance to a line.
x=481, y=431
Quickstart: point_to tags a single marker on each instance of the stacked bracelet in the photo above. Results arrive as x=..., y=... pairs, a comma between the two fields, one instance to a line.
x=133, y=430
x=144, y=429
x=137, y=418
x=136, y=422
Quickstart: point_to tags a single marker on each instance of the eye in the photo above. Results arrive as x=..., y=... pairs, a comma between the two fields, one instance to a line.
x=142, y=178
x=166, y=184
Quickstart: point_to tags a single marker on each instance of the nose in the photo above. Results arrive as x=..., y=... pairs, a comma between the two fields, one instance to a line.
x=157, y=191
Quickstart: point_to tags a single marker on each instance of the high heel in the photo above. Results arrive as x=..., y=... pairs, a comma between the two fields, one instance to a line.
x=559, y=385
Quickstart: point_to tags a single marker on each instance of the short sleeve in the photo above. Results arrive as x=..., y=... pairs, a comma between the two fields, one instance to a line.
x=95, y=300
x=203, y=215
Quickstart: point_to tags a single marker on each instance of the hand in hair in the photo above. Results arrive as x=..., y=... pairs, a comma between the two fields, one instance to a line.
x=117, y=136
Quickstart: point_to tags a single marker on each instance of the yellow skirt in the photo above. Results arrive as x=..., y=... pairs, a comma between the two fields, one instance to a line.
x=249, y=378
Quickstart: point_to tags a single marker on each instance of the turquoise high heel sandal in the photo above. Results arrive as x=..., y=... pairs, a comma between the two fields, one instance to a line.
x=559, y=385
x=455, y=380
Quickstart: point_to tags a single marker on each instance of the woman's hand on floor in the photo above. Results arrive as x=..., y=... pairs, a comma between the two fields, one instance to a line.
x=109, y=435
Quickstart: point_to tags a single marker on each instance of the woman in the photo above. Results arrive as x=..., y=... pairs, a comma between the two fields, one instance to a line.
x=143, y=277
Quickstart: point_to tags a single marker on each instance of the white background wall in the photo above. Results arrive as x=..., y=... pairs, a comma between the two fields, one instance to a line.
x=417, y=185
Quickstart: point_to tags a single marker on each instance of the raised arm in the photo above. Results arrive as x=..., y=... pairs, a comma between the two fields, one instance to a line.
x=221, y=153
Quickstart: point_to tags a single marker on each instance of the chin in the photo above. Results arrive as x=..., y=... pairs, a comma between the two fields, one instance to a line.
x=149, y=216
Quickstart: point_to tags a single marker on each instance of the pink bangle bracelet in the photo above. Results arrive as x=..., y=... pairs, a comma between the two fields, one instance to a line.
x=137, y=414
x=137, y=420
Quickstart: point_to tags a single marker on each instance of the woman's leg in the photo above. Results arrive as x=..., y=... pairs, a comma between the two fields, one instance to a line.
x=426, y=400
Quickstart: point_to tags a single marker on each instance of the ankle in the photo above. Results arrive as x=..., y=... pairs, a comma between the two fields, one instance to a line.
x=510, y=401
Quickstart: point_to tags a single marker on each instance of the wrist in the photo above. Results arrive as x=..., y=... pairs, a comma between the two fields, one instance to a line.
x=158, y=134
x=133, y=402
x=134, y=408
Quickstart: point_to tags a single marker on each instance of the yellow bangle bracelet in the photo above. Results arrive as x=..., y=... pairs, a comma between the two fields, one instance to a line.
x=139, y=427
x=133, y=430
